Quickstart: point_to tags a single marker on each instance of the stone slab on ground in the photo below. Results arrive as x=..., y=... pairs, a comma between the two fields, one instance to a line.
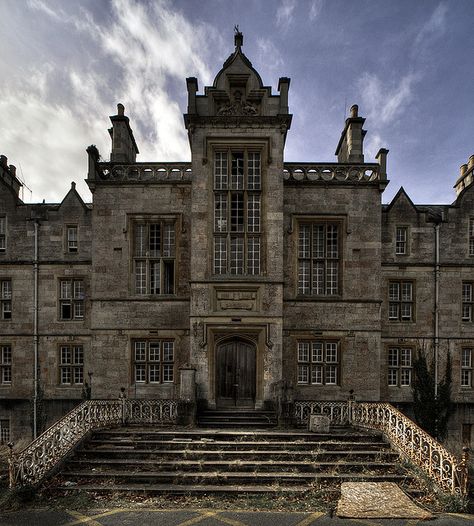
x=377, y=500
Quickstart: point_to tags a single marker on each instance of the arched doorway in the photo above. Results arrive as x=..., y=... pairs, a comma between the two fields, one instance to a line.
x=235, y=373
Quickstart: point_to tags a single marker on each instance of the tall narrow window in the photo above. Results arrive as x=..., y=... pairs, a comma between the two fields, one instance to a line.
x=319, y=258
x=399, y=366
x=4, y=431
x=5, y=364
x=467, y=301
x=318, y=362
x=237, y=212
x=471, y=236
x=401, y=302
x=466, y=367
x=71, y=365
x=6, y=298
x=3, y=233
x=71, y=238
x=153, y=361
x=154, y=257
x=401, y=240
x=71, y=299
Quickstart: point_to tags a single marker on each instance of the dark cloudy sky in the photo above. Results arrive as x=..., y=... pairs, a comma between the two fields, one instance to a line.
x=409, y=64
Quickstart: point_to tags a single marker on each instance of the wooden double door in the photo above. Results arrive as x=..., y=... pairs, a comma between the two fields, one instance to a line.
x=236, y=373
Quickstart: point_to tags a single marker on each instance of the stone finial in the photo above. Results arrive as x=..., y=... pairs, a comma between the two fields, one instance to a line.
x=462, y=169
x=120, y=109
x=238, y=37
x=354, y=111
x=73, y=185
x=470, y=163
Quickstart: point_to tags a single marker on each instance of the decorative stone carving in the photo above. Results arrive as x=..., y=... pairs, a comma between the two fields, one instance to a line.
x=237, y=107
x=236, y=299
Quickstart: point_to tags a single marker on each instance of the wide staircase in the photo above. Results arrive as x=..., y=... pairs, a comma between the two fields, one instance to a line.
x=211, y=460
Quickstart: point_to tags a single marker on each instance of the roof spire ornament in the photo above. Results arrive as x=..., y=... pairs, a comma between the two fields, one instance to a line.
x=238, y=37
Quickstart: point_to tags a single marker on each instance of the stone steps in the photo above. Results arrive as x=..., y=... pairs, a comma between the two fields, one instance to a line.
x=228, y=461
x=237, y=418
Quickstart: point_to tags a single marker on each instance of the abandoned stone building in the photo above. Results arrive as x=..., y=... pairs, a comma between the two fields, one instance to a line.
x=260, y=275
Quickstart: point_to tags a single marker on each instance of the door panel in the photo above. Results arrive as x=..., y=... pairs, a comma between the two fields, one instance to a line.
x=235, y=374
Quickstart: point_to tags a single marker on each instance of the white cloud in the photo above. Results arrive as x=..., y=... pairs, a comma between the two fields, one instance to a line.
x=269, y=55
x=434, y=26
x=384, y=102
x=137, y=59
x=284, y=14
x=315, y=9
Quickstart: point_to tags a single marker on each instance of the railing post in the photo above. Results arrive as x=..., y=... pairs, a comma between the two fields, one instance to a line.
x=350, y=402
x=11, y=466
x=464, y=468
x=123, y=398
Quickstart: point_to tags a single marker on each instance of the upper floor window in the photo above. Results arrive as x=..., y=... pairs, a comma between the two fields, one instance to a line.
x=71, y=299
x=71, y=238
x=399, y=367
x=319, y=258
x=401, y=302
x=467, y=301
x=401, y=241
x=71, y=365
x=154, y=257
x=466, y=367
x=3, y=233
x=471, y=236
x=318, y=362
x=153, y=361
x=5, y=365
x=6, y=298
x=237, y=212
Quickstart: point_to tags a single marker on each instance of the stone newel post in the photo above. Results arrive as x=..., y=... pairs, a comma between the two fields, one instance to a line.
x=187, y=396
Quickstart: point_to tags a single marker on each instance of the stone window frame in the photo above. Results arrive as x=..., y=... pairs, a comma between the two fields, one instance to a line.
x=467, y=299
x=71, y=242
x=227, y=187
x=314, y=367
x=399, y=368
x=3, y=233
x=146, y=258
x=470, y=234
x=6, y=354
x=5, y=430
x=401, y=303
x=76, y=299
x=71, y=364
x=151, y=361
x=319, y=220
x=466, y=368
x=6, y=299
x=401, y=242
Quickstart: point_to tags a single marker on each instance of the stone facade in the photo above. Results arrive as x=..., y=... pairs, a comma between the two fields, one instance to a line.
x=191, y=266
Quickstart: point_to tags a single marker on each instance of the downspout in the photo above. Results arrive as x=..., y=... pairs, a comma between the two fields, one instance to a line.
x=436, y=309
x=35, y=333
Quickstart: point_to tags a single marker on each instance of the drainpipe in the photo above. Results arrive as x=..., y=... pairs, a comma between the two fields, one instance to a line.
x=35, y=333
x=436, y=309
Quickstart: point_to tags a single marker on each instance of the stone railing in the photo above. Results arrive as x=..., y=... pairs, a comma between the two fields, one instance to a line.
x=445, y=469
x=146, y=172
x=31, y=465
x=337, y=412
x=332, y=172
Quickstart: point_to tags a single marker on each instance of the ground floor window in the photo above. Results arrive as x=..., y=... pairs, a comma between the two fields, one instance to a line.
x=399, y=366
x=4, y=431
x=5, y=365
x=466, y=367
x=153, y=361
x=71, y=365
x=318, y=362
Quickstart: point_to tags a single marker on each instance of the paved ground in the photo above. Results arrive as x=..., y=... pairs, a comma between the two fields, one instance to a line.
x=145, y=517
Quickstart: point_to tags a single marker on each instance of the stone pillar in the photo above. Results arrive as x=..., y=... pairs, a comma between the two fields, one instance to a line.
x=187, y=397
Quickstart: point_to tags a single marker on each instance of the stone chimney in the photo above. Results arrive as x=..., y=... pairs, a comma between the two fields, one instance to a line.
x=351, y=144
x=283, y=87
x=466, y=175
x=192, y=85
x=8, y=175
x=124, y=147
